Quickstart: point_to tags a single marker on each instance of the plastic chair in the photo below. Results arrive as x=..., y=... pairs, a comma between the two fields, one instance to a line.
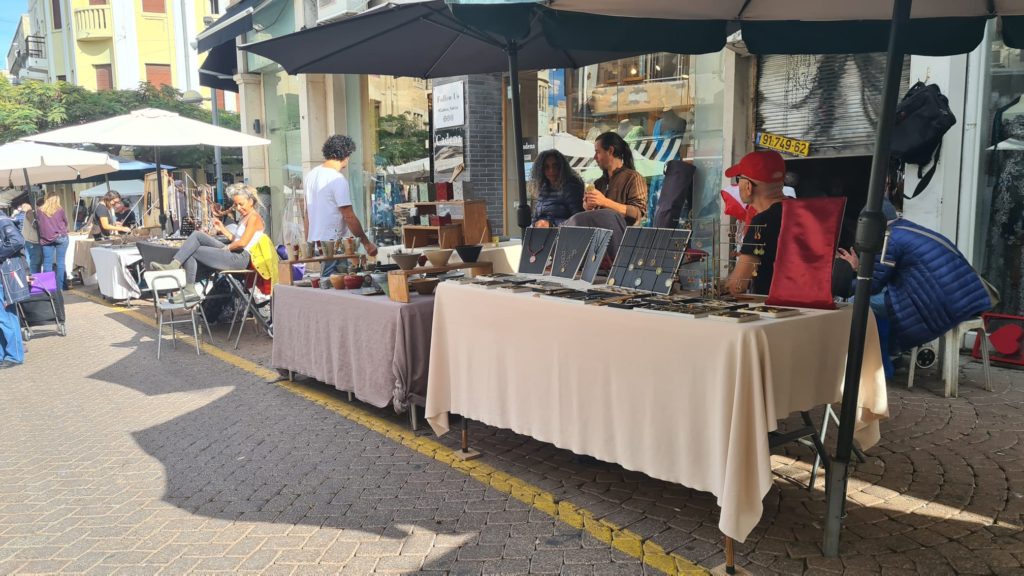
x=167, y=282
x=951, y=358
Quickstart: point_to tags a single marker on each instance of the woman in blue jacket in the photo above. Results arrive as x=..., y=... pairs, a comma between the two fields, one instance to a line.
x=558, y=187
x=12, y=350
x=922, y=285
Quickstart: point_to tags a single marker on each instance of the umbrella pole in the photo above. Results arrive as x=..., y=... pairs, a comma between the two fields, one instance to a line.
x=160, y=188
x=871, y=227
x=430, y=133
x=523, y=213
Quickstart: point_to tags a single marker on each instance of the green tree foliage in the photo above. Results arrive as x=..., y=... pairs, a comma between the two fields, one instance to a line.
x=33, y=107
x=402, y=139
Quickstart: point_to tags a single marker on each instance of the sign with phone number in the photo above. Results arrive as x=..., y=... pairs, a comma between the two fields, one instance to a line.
x=782, y=144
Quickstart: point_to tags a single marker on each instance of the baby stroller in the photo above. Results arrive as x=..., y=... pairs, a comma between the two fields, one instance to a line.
x=45, y=305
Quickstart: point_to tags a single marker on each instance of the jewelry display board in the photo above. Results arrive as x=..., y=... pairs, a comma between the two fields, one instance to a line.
x=649, y=259
x=595, y=254
x=570, y=250
x=538, y=243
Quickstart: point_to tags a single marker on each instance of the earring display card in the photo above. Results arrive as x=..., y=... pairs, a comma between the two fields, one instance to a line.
x=595, y=254
x=570, y=250
x=649, y=259
x=538, y=243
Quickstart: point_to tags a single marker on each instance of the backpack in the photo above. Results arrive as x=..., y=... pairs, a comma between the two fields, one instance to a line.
x=922, y=118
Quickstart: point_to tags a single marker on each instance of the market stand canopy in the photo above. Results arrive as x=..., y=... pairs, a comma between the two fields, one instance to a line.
x=23, y=163
x=936, y=28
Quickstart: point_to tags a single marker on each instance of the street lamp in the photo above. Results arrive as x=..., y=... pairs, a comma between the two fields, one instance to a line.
x=193, y=97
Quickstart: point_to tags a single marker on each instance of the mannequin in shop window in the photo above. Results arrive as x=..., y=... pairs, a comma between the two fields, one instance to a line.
x=558, y=190
x=628, y=131
x=1004, y=237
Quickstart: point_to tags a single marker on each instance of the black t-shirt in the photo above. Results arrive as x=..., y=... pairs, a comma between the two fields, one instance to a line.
x=763, y=233
x=104, y=212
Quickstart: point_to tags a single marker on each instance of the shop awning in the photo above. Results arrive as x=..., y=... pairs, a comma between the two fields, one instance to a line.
x=219, y=68
x=237, y=20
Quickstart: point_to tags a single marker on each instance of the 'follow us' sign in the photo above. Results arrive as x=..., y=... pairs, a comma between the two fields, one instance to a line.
x=449, y=105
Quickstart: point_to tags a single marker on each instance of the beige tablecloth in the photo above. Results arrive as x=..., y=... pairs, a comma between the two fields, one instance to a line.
x=368, y=345
x=83, y=257
x=689, y=401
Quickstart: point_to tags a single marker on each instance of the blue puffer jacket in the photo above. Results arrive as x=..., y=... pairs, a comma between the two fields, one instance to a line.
x=931, y=286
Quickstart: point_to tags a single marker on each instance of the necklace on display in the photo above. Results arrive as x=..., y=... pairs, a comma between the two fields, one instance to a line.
x=565, y=259
x=533, y=253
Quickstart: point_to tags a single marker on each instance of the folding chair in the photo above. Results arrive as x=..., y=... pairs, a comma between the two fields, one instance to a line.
x=237, y=279
x=169, y=282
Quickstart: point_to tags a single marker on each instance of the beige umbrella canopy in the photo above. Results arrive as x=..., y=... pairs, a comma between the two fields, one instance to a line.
x=23, y=163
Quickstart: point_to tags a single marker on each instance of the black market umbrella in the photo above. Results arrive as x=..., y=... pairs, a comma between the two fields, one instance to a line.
x=897, y=27
x=426, y=40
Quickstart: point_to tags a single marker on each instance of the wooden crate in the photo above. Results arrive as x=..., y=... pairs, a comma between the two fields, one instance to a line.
x=398, y=280
x=472, y=228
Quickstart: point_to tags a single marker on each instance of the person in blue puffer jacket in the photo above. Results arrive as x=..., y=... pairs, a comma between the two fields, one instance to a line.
x=558, y=187
x=922, y=285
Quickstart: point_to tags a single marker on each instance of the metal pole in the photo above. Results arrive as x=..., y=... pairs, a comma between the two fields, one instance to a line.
x=523, y=213
x=870, y=235
x=160, y=188
x=218, y=169
x=430, y=135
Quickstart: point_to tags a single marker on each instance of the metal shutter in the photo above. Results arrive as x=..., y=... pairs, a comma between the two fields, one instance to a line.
x=158, y=74
x=831, y=101
x=104, y=77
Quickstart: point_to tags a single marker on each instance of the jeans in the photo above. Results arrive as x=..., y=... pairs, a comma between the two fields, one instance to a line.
x=58, y=250
x=34, y=255
x=11, y=347
x=201, y=248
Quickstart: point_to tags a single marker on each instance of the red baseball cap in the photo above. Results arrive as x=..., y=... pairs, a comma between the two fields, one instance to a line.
x=763, y=166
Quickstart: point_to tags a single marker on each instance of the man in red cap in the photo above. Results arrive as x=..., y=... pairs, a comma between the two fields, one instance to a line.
x=759, y=176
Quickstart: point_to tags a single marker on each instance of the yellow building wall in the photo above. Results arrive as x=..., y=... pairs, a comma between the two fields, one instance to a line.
x=155, y=33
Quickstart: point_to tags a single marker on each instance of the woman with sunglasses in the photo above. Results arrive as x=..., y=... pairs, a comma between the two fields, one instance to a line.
x=201, y=248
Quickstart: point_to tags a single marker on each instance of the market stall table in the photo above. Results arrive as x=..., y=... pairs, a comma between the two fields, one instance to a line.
x=689, y=401
x=69, y=257
x=112, y=275
x=82, y=258
x=367, y=345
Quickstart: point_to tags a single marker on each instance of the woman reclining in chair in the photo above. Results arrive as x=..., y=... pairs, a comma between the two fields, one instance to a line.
x=248, y=245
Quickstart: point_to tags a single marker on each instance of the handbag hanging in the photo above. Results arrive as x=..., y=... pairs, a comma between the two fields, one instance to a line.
x=14, y=278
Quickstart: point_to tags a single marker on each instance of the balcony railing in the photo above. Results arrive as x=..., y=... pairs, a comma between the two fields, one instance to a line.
x=93, y=23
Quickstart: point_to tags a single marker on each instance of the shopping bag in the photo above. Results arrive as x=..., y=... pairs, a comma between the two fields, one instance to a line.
x=14, y=277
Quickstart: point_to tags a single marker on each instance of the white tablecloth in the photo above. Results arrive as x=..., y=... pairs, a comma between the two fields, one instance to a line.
x=69, y=258
x=112, y=273
x=689, y=401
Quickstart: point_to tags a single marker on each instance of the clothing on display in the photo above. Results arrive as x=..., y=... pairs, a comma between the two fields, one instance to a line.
x=1004, y=244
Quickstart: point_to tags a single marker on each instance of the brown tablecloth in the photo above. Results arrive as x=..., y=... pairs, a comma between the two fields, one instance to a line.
x=368, y=345
x=689, y=401
x=83, y=256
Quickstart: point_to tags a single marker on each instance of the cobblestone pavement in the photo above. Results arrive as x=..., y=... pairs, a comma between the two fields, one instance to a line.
x=109, y=465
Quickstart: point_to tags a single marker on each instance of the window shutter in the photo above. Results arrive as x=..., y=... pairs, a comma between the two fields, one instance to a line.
x=159, y=74
x=55, y=10
x=154, y=6
x=104, y=77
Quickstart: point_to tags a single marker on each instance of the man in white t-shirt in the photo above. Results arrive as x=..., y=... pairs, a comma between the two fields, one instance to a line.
x=329, y=213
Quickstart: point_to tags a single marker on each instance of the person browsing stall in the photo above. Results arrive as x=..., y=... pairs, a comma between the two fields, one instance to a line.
x=329, y=212
x=759, y=176
x=201, y=248
x=53, y=237
x=12, y=350
x=558, y=187
x=105, y=221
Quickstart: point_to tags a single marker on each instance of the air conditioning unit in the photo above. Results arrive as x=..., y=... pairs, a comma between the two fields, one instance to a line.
x=330, y=10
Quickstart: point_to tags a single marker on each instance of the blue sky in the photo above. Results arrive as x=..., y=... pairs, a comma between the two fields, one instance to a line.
x=10, y=11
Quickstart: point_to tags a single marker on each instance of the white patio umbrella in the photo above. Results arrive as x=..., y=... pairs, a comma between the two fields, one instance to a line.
x=22, y=163
x=566, y=144
x=150, y=127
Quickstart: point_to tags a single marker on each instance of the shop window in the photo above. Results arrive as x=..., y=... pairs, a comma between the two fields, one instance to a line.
x=104, y=77
x=159, y=75
x=214, y=6
x=97, y=2
x=55, y=10
x=154, y=6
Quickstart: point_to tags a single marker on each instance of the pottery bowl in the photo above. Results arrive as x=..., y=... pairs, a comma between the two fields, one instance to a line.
x=438, y=257
x=406, y=260
x=352, y=282
x=469, y=252
x=425, y=286
x=337, y=281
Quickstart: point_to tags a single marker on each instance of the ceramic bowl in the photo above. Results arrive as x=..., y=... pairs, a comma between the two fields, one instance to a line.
x=352, y=282
x=438, y=257
x=314, y=281
x=425, y=286
x=422, y=260
x=406, y=260
x=469, y=252
x=337, y=281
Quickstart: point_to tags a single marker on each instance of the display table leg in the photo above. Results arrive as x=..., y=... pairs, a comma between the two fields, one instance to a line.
x=350, y=397
x=729, y=567
x=465, y=453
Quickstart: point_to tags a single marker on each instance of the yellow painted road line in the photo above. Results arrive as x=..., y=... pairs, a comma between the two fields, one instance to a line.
x=578, y=517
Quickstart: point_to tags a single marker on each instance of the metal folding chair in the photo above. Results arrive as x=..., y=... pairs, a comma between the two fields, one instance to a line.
x=165, y=283
x=237, y=280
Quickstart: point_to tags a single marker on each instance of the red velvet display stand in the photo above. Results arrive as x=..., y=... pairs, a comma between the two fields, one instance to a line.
x=807, y=248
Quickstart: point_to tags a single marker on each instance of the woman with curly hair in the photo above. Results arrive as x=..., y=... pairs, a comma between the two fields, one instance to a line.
x=558, y=189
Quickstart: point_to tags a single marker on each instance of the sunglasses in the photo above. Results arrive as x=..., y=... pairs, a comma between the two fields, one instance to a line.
x=736, y=180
